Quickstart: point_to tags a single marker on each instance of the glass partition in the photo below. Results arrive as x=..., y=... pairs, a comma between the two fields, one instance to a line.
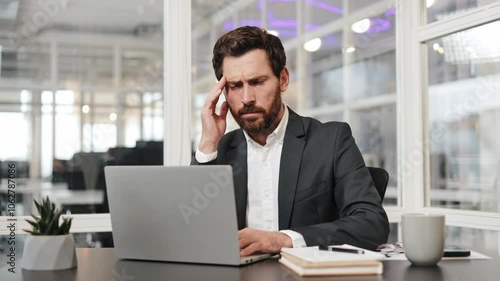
x=79, y=93
x=464, y=118
x=442, y=9
x=481, y=240
x=326, y=73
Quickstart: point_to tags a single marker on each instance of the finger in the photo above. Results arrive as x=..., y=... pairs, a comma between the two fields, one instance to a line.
x=243, y=231
x=211, y=102
x=244, y=243
x=246, y=233
x=224, y=109
x=214, y=95
x=252, y=248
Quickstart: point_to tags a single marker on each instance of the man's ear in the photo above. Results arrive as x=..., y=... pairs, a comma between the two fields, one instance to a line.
x=284, y=79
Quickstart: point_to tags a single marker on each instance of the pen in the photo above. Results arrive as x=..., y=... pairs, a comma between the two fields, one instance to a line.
x=343, y=250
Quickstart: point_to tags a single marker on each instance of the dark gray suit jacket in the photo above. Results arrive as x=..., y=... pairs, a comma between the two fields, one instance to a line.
x=325, y=191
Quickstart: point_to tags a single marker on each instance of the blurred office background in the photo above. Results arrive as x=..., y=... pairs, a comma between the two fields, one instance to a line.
x=82, y=86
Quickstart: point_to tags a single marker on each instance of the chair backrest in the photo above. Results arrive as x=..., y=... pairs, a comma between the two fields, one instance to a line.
x=380, y=178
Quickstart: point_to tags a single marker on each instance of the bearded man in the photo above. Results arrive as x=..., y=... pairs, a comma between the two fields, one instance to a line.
x=298, y=182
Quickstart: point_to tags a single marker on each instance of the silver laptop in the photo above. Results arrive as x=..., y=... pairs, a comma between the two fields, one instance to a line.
x=178, y=214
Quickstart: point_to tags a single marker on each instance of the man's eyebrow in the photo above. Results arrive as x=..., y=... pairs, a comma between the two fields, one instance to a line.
x=233, y=82
x=257, y=78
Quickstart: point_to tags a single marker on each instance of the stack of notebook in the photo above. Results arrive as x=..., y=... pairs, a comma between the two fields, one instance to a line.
x=311, y=261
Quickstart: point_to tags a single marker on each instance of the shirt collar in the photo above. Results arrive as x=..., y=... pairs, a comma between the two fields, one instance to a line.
x=277, y=135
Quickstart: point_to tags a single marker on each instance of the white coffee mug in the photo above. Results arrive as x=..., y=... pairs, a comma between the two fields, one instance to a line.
x=423, y=238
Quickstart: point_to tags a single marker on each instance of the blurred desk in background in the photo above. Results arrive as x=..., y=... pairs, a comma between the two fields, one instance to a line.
x=26, y=190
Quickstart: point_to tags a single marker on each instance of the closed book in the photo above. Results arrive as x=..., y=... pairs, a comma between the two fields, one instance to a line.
x=311, y=261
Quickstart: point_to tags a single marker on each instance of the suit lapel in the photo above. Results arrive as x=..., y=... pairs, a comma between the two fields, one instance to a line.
x=237, y=156
x=291, y=158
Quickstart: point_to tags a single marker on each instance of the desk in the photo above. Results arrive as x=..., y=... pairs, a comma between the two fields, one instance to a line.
x=101, y=265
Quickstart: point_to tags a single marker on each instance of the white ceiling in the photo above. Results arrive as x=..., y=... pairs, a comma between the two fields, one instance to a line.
x=103, y=16
x=75, y=24
x=117, y=16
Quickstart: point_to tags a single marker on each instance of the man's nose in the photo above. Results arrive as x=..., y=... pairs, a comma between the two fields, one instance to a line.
x=248, y=95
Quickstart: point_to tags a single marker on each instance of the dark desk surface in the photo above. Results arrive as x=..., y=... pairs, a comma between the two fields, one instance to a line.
x=101, y=265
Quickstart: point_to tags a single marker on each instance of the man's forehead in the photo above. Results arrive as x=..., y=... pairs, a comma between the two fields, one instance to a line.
x=251, y=65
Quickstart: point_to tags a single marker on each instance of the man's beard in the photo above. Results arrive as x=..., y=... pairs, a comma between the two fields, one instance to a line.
x=258, y=126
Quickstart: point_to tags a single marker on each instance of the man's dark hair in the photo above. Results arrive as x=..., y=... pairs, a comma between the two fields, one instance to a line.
x=245, y=39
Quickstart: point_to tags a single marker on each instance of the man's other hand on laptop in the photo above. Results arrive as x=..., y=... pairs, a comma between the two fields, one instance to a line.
x=253, y=241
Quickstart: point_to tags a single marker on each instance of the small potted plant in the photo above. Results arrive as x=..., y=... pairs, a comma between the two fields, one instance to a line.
x=50, y=246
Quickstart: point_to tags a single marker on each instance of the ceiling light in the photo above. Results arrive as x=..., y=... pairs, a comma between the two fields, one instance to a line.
x=312, y=45
x=85, y=108
x=361, y=26
x=349, y=50
x=112, y=116
x=429, y=3
x=435, y=46
x=440, y=50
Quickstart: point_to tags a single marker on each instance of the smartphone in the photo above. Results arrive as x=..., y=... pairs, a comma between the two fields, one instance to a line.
x=455, y=251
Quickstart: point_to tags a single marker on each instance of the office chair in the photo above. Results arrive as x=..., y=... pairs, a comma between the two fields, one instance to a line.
x=380, y=178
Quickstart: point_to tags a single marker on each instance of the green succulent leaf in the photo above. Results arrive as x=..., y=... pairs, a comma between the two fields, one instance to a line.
x=48, y=221
x=37, y=219
x=33, y=223
x=38, y=207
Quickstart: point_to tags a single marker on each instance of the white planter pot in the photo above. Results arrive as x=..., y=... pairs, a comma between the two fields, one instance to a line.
x=49, y=252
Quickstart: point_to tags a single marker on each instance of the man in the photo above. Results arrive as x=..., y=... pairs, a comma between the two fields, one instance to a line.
x=298, y=182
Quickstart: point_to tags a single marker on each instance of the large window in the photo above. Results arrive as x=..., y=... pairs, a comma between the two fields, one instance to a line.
x=464, y=118
x=458, y=81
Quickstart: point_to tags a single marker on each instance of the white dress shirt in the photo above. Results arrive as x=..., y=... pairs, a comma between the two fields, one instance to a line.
x=263, y=179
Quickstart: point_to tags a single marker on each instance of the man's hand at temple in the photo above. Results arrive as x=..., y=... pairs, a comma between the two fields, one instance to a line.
x=254, y=241
x=213, y=125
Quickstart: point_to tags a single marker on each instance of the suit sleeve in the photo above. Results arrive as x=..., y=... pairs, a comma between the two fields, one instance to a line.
x=361, y=219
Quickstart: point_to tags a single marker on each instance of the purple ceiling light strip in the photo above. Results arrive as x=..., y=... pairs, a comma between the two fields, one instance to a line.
x=378, y=25
x=324, y=6
x=390, y=12
x=287, y=27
